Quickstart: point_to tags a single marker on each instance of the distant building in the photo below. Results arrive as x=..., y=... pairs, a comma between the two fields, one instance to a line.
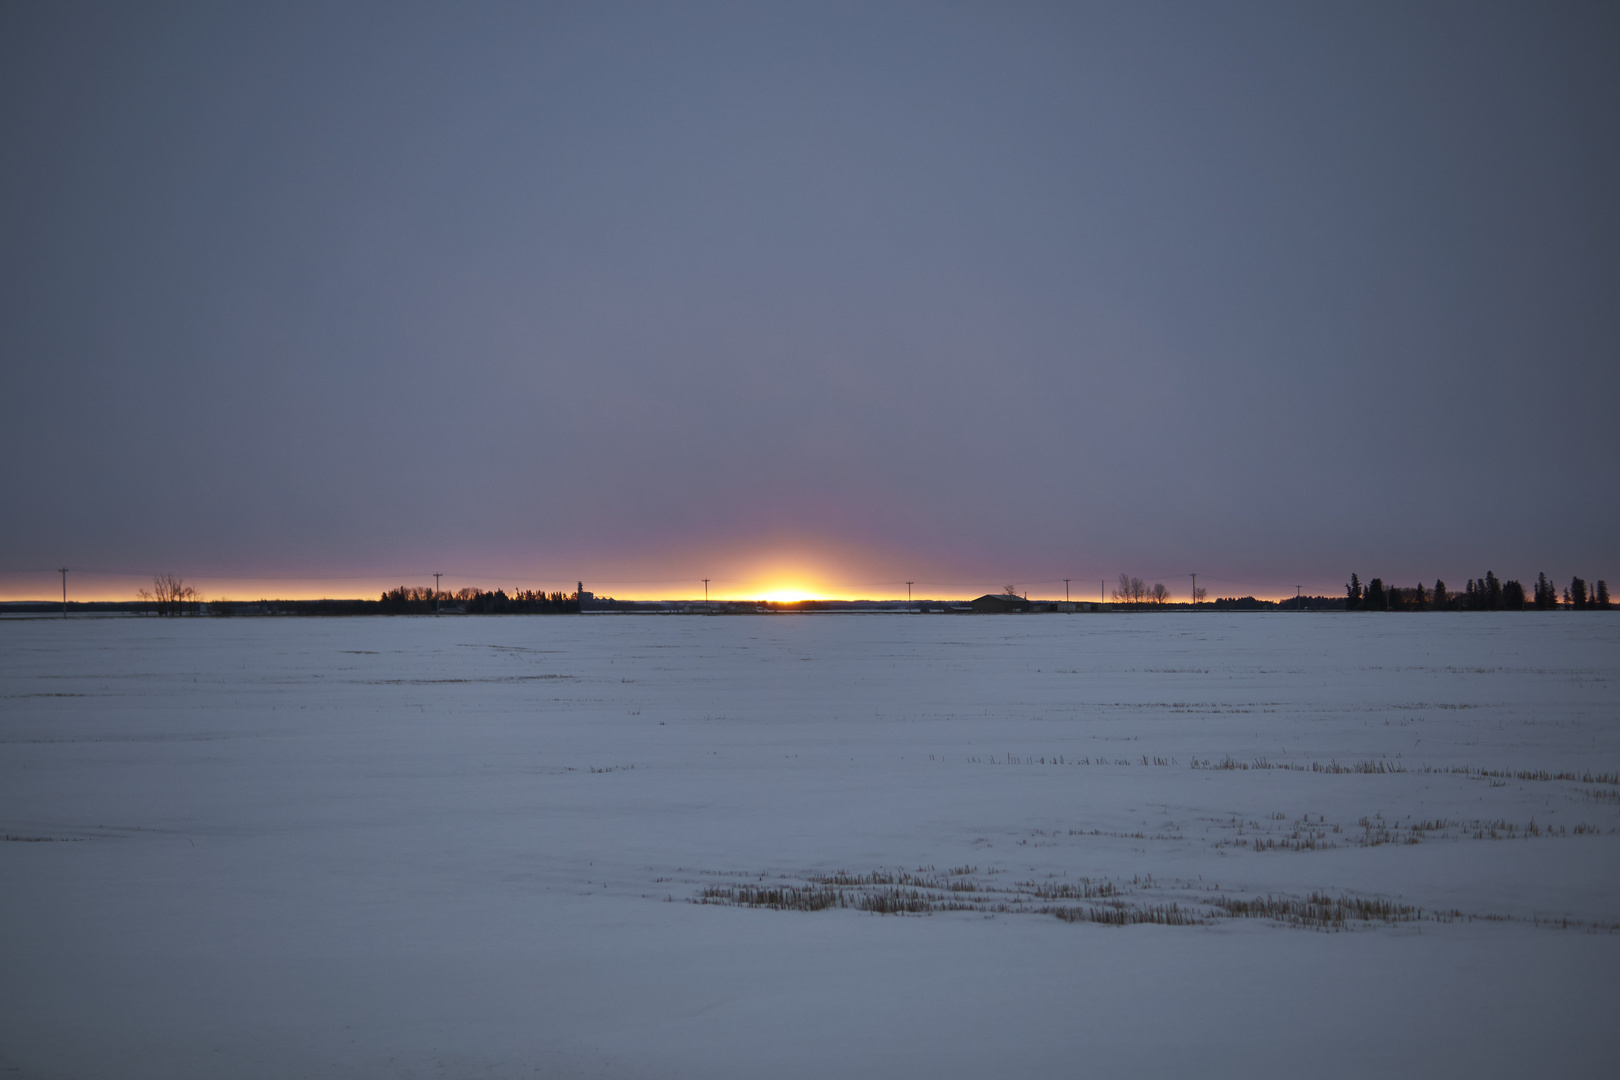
x=1000, y=604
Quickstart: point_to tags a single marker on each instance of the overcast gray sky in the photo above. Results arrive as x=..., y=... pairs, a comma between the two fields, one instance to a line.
x=972, y=294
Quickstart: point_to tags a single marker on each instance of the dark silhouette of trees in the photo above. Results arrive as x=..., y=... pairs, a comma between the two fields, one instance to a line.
x=1242, y=603
x=1129, y=590
x=1546, y=594
x=1484, y=594
x=1311, y=603
x=1488, y=593
x=406, y=600
x=521, y=602
x=170, y=594
x=1133, y=590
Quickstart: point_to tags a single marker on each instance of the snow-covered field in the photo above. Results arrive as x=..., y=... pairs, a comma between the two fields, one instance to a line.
x=408, y=847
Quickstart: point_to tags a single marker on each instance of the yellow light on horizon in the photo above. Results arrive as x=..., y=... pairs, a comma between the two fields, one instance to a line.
x=786, y=595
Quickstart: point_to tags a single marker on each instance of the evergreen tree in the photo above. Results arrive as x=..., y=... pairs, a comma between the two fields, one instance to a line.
x=1441, y=599
x=1513, y=596
x=1546, y=594
x=1575, y=595
x=1603, y=594
x=1375, y=599
x=1492, y=592
x=1420, y=599
x=1352, y=594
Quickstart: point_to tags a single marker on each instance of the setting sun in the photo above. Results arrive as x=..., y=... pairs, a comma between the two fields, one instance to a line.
x=786, y=595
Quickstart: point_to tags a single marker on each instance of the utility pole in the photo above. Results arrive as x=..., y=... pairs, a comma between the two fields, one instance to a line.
x=1102, y=590
x=436, y=578
x=63, y=571
x=1195, y=590
x=705, y=594
x=909, y=584
x=1065, y=590
x=1299, y=604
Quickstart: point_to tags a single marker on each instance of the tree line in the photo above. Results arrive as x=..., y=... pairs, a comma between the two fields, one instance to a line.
x=170, y=595
x=1488, y=593
x=406, y=600
x=1133, y=590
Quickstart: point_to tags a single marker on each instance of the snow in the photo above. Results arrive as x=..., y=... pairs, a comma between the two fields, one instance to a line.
x=467, y=846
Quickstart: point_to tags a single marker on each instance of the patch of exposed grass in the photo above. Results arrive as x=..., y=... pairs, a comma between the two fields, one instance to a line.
x=1318, y=911
x=1381, y=767
x=1063, y=759
x=1321, y=835
x=1116, y=902
x=1332, y=767
x=438, y=682
x=1538, y=775
x=1133, y=915
x=1084, y=889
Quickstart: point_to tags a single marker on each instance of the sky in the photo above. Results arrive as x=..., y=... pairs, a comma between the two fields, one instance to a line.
x=303, y=300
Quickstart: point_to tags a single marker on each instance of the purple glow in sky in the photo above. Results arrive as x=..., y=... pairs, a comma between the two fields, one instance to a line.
x=841, y=295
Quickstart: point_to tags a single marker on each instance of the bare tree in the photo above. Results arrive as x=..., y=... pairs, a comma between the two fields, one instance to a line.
x=1008, y=590
x=1131, y=590
x=1199, y=594
x=1158, y=594
x=171, y=593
